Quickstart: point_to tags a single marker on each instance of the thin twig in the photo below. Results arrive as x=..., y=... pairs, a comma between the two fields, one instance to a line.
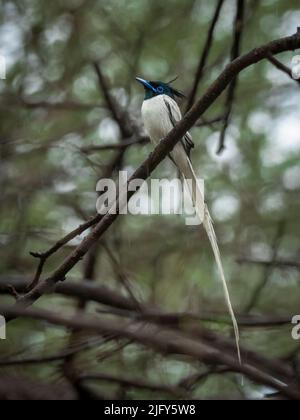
x=43, y=256
x=121, y=275
x=191, y=381
x=210, y=123
x=268, y=268
x=123, y=145
x=66, y=106
x=118, y=114
x=13, y=291
x=282, y=67
x=43, y=259
x=204, y=55
x=278, y=263
x=235, y=52
x=134, y=383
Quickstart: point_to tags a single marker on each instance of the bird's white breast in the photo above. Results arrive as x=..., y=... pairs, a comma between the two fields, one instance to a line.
x=156, y=117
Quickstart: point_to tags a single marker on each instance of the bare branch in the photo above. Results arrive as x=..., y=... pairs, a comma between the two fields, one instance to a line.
x=118, y=114
x=121, y=276
x=282, y=67
x=56, y=106
x=268, y=268
x=116, y=146
x=235, y=52
x=204, y=55
x=43, y=256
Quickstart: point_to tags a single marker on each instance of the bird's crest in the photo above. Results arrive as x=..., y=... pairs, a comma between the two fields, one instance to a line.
x=154, y=88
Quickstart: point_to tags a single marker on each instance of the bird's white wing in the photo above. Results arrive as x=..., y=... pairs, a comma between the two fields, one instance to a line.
x=175, y=116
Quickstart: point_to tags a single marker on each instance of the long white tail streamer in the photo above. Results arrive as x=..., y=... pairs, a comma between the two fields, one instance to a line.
x=204, y=215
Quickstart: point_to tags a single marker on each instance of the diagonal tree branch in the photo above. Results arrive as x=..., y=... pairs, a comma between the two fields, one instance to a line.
x=118, y=114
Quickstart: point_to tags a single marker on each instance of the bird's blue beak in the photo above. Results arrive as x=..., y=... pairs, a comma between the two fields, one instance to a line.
x=146, y=84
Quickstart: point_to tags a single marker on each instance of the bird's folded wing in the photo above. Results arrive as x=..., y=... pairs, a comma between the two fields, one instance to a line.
x=175, y=116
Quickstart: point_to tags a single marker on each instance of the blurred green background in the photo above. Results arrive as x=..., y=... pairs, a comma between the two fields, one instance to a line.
x=51, y=106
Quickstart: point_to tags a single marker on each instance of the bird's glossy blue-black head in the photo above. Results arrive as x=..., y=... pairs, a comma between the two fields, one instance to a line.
x=156, y=88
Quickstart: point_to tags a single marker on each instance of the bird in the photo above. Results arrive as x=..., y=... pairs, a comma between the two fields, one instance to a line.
x=160, y=114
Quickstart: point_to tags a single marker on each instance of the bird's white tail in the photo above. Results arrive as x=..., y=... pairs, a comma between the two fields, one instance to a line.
x=204, y=215
x=208, y=225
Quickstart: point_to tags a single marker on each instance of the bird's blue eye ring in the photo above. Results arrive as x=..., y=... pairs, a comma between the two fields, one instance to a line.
x=160, y=89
